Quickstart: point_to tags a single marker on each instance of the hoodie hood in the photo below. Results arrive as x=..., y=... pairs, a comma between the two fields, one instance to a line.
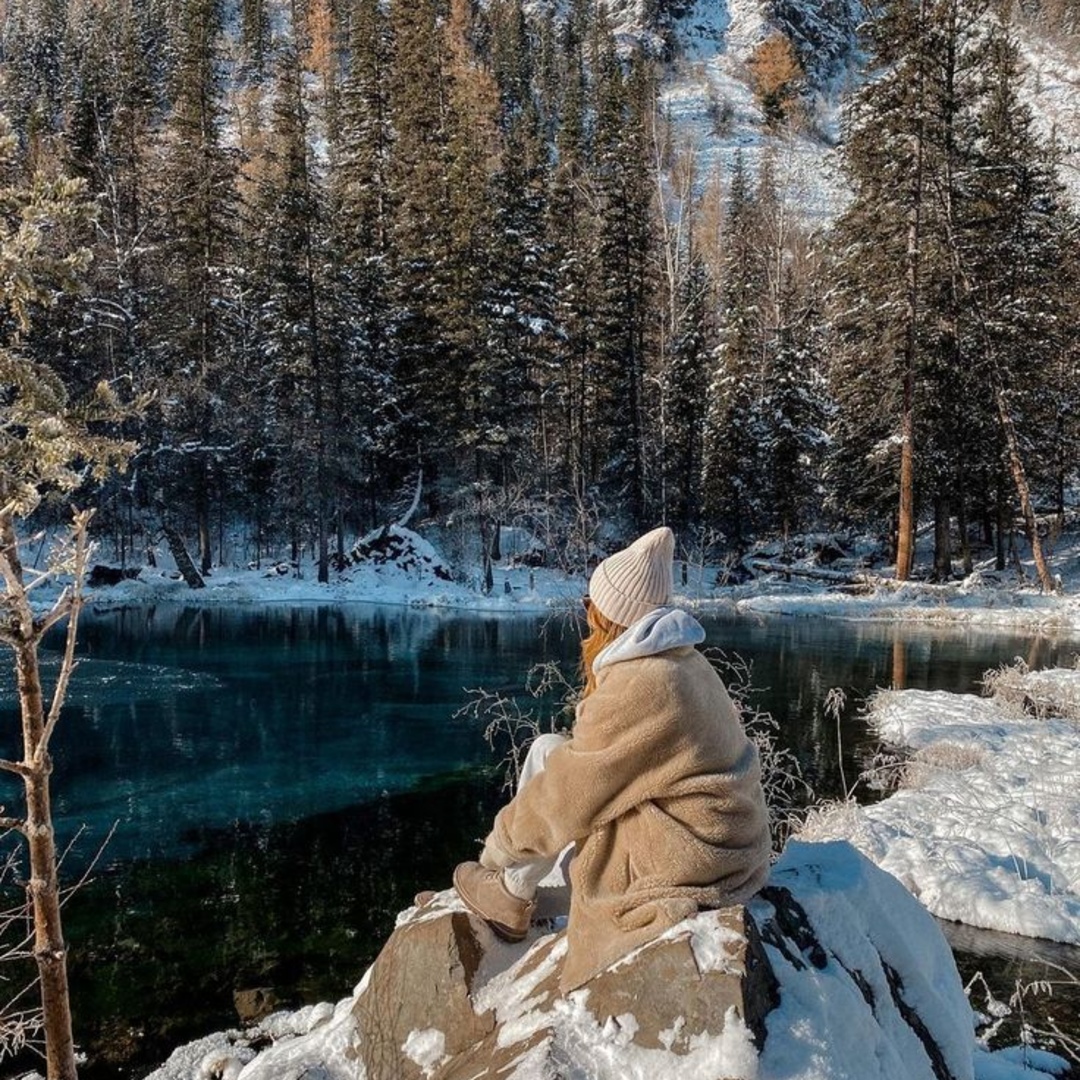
x=662, y=629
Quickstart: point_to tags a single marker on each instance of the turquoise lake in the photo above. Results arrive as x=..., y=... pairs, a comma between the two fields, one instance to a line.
x=279, y=781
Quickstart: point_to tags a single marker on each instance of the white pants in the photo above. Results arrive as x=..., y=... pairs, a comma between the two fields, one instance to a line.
x=522, y=878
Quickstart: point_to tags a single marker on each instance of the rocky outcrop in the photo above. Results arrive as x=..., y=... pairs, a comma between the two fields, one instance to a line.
x=706, y=996
x=833, y=971
x=427, y=970
x=705, y=983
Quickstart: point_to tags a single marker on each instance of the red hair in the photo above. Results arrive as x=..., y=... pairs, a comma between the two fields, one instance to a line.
x=602, y=632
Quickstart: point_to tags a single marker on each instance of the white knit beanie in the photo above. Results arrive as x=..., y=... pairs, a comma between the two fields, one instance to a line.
x=634, y=581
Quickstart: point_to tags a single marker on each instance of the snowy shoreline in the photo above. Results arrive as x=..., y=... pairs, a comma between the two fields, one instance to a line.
x=984, y=812
x=401, y=568
x=970, y=603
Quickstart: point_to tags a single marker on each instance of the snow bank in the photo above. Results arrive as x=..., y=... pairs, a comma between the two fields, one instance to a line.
x=393, y=566
x=869, y=928
x=983, y=827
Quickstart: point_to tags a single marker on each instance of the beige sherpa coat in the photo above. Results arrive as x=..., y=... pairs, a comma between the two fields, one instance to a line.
x=659, y=787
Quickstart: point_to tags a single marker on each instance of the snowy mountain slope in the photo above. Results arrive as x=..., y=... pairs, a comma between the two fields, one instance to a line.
x=1052, y=87
x=709, y=97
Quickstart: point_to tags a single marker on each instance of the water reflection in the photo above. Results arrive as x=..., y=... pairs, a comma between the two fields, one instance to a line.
x=185, y=718
x=284, y=778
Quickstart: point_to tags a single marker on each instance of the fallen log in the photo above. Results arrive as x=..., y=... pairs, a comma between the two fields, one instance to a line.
x=835, y=577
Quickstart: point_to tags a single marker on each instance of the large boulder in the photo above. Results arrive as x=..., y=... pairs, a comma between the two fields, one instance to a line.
x=833, y=971
x=417, y=1006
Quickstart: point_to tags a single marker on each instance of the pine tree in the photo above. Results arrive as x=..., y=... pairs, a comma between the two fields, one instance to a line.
x=732, y=467
x=196, y=274
x=300, y=355
x=569, y=232
x=899, y=349
x=359, y=227
x=794, y=407
x=522, y=286
x=1013, y=259
x=623, y=268
x=683, y=403
x=488, y=390
x=429, y=386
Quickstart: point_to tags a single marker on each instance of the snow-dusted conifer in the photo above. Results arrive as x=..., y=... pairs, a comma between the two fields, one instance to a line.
x=732, y=480
x=196, y=278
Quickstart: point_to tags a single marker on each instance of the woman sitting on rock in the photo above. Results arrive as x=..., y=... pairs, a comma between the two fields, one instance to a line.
x=659, y=789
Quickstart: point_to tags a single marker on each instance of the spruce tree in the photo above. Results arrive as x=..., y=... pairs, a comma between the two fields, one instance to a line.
x=196, y=276
x=732, y=466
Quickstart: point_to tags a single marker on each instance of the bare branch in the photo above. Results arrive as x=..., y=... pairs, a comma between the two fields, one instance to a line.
x=16, y=767
x=57, y=613
x=91, y=867
x=74, y=605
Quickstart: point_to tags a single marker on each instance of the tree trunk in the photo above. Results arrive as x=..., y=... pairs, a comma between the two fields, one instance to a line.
x=50, y=952
x=1016, y=466
x=905, y=547
x=182, y=558
x=942, y=539
x=202, y=517
x=1002, y=525
x=905, y=524
x=962, y=527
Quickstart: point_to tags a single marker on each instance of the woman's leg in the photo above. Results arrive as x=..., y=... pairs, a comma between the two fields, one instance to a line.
x=505, y=898
x=521, y=879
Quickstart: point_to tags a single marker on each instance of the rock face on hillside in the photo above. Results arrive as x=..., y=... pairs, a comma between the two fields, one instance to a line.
x=834, y=970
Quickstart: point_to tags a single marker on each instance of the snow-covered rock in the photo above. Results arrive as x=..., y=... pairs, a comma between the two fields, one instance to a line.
x=833, y=971
x=402, y=550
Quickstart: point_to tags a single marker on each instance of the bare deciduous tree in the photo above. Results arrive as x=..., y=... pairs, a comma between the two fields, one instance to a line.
x=48, y=447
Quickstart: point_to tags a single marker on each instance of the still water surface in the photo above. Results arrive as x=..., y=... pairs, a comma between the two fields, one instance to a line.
x=282, y=779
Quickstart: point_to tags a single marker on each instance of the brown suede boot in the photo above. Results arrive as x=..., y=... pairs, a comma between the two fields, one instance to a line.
x=484, y=894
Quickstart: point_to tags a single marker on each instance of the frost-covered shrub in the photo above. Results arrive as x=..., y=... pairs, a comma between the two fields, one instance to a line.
x=940, y=757
x=1019, y=690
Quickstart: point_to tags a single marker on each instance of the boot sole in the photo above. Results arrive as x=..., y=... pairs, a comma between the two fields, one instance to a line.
x=509, y=934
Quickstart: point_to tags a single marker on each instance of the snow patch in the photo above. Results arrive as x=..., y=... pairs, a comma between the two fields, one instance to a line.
x=991, y=844
x=426, y=1049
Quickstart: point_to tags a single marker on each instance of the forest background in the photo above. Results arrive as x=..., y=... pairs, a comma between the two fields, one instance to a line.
x=347, y=244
